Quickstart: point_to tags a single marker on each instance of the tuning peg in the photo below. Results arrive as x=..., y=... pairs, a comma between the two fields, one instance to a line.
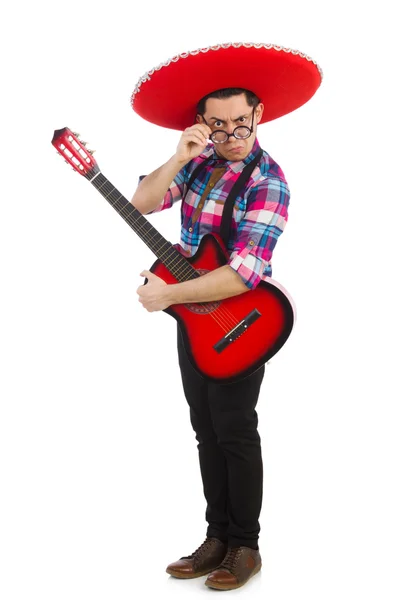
x=76, y=134
x=90, y=151
x=83, y=143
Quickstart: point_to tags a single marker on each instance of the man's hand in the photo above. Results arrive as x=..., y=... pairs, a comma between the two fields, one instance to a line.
x=193, y=141
x=153, y=295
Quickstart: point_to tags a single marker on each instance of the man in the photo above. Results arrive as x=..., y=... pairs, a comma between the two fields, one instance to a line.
x=211, y=155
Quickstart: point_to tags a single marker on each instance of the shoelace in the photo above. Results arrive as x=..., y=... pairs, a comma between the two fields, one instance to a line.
x=196, y=554
x=230, y=560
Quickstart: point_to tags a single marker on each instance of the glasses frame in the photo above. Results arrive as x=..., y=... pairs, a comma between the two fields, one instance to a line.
x=249, y=129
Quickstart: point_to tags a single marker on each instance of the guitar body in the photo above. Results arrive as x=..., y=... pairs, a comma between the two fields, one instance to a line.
x=204, y=325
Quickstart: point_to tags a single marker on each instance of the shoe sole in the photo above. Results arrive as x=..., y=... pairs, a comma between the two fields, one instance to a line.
x=225, y=586
x=179, y=575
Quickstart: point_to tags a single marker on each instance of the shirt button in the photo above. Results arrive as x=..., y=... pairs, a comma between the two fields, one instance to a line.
x=211, y=184
x=200, y=205
x=252, y=242
x=190, y=229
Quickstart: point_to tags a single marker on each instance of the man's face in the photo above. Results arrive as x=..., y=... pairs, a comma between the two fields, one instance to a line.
x=227, y=114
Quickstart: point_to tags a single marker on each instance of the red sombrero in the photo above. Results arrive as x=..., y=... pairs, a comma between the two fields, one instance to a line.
x=283, y=79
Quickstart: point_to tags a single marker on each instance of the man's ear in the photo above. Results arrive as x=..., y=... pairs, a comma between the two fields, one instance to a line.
x=199, y=119
x=259, y=111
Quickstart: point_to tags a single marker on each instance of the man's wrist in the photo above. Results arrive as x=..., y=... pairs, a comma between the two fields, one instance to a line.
x=171, y=295
x=177, y=162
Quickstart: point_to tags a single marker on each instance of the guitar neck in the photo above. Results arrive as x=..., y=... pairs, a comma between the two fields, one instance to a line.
x=163, y=249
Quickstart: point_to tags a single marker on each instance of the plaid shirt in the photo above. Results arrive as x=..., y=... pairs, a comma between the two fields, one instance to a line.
x=259, y=214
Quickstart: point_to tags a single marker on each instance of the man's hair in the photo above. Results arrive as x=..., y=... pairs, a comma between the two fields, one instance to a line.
x=252, y=99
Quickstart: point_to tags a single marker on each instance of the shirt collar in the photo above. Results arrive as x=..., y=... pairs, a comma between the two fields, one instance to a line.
x=235, y=166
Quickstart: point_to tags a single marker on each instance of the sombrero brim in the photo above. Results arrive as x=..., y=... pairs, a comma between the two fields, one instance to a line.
x=282, y=78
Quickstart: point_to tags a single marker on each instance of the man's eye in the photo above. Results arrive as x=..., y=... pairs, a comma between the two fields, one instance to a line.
x=242, y=119
x=218, y=123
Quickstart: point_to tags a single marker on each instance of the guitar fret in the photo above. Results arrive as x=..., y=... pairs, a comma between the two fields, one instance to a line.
x=117, y=199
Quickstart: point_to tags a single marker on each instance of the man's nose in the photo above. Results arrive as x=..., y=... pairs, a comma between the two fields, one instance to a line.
x=230, y=127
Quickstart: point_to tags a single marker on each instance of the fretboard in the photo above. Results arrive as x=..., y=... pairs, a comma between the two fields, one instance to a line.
x=163, y=249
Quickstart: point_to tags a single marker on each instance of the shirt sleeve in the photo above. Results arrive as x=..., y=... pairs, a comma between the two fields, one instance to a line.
x=174, y=193
x=257, y=234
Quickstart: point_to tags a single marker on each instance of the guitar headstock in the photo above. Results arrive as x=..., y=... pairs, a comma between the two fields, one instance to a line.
x=74, y=152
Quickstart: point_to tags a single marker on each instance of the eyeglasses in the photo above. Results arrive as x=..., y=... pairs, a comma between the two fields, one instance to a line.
x=241, y=132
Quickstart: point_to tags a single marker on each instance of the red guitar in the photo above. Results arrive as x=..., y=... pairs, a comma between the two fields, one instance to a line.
x=225, y=340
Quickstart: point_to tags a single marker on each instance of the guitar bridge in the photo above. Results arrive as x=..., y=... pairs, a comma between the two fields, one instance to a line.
x=237, y=331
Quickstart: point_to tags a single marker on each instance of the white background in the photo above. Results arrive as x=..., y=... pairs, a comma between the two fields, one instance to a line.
x=100, y=485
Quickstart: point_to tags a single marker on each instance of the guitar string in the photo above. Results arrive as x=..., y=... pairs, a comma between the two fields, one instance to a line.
x=224, y=317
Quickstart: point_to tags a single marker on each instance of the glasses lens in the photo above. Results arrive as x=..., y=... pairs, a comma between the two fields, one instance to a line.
x=219, y=137
x=242, y=132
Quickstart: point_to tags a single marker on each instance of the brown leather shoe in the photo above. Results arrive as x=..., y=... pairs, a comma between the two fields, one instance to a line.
x=238, y=566
x=203, y=560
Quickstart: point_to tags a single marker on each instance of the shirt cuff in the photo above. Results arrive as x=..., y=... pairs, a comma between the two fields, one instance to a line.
x=249, y=266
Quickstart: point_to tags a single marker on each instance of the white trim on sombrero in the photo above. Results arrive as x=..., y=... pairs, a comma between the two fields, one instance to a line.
x=146, y=76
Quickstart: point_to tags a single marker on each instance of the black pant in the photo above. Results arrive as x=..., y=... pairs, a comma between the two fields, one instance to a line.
x=225, y=421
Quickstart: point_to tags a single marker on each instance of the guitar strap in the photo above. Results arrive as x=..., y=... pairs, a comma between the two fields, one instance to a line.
x=237, y=188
